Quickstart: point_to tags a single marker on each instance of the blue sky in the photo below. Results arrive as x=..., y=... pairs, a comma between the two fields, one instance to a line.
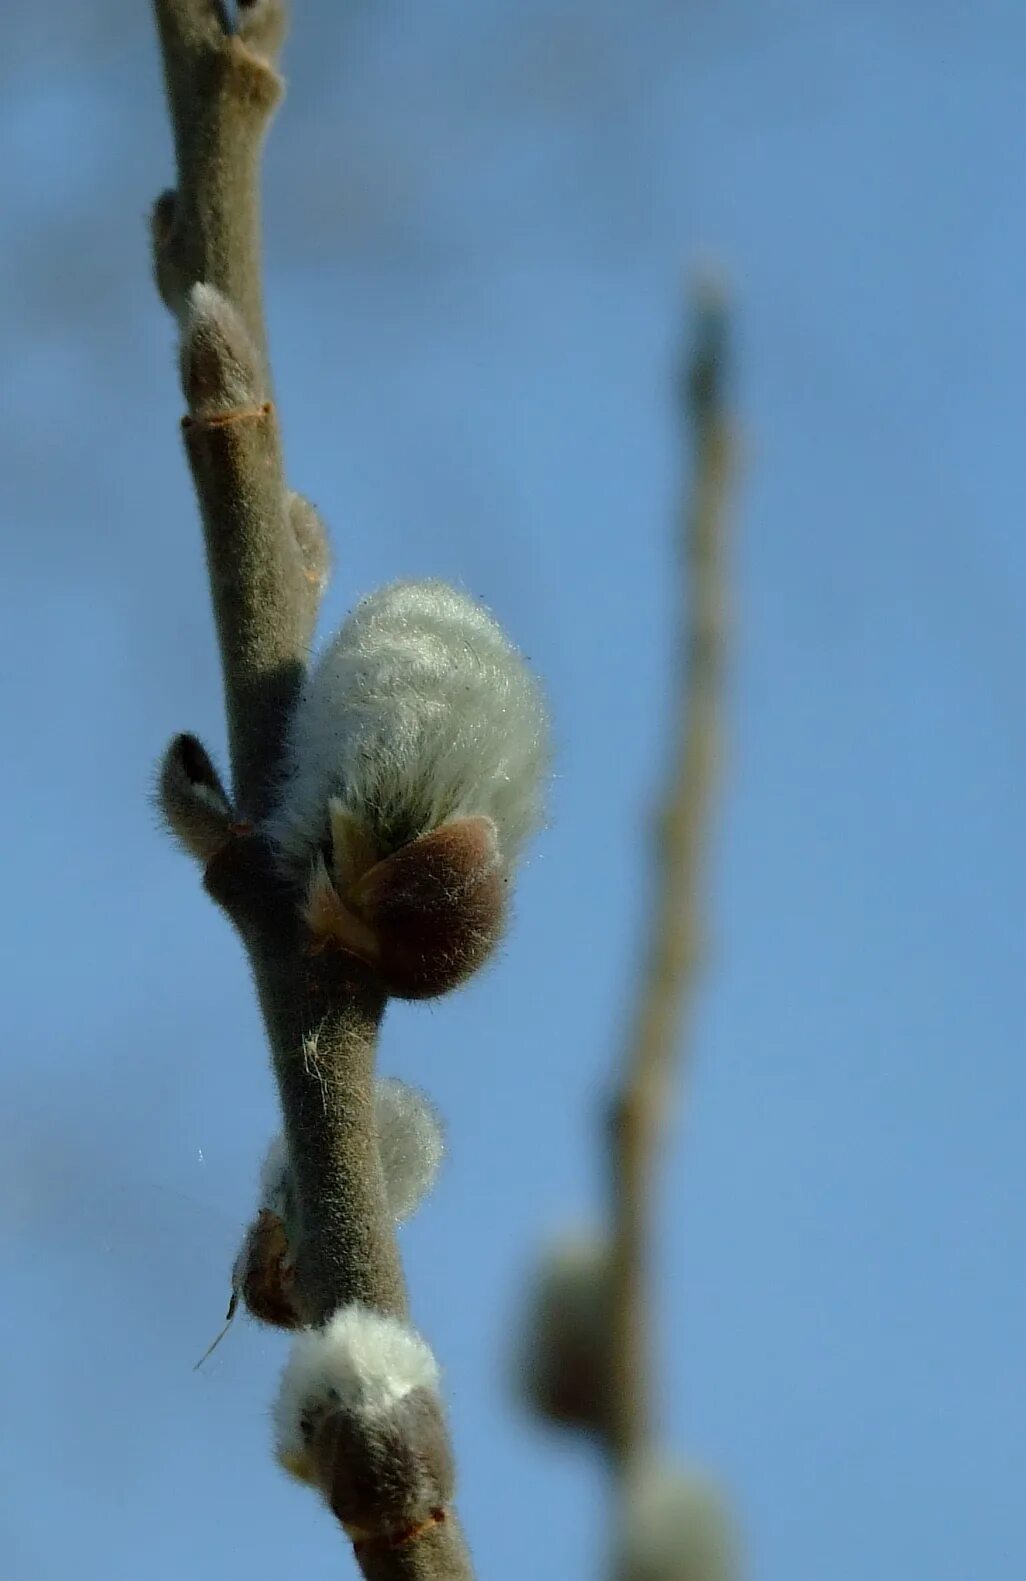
x=479, y=220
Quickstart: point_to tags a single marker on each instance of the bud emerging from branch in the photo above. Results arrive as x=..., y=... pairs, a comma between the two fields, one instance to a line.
x=415, y=764
x=262, y=25
x=219, y=363
x=166, y=272
x=359, y=1417
x=411, y=1146
x=565, y=1349
x=676, y=1527
x=265, y=1269
x=193, y=801
x=311, y=540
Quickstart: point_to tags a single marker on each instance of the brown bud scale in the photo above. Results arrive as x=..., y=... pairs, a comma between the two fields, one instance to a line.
x=424, y=918
x=266, y=1277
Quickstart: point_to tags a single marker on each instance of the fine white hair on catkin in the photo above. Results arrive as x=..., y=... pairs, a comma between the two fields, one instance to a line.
x=410, y=1142
x=360, y=1362
x=419, y=711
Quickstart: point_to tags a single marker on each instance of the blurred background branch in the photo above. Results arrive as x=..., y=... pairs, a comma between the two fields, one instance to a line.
x=588, y=1353
x=654, y=1048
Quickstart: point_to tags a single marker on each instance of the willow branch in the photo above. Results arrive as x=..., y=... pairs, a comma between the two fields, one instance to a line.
x=673, y=948
x=222, y=90
x=267, y=562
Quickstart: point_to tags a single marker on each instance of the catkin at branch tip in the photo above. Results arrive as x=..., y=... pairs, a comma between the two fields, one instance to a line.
x=420, y=711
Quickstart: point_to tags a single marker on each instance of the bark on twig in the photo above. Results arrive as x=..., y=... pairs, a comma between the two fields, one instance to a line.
x=267, y=560
x=673, y=947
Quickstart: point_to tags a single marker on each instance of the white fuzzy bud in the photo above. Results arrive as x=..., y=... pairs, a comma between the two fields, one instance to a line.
x=359, y=1417
x=361, y=1362
x=676, y=1527
x=420, y=712
x=410, y=1142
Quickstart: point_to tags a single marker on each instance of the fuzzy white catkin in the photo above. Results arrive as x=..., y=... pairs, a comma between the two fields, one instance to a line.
x=676, y=1527
x=419, y=711
x=410, y=1142
x=360, y=1362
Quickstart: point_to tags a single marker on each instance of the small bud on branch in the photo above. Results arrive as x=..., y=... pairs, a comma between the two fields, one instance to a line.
x=192, y=800
x=265, y=1269
x=262, y=25
x=220, y=364
x=312, y=542
x=410, y=1142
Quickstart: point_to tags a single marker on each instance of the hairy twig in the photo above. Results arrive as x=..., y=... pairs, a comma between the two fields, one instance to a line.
x=672, y=952
x=267, y=560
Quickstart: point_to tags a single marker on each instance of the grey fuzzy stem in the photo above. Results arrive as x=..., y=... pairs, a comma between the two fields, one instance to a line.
x=221, y=93
x=439, y=1553
x=222, y=90
x=324, y=1043
x=267, y=565
x=257, y=586
x=322, y=1013
x=668, y=976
